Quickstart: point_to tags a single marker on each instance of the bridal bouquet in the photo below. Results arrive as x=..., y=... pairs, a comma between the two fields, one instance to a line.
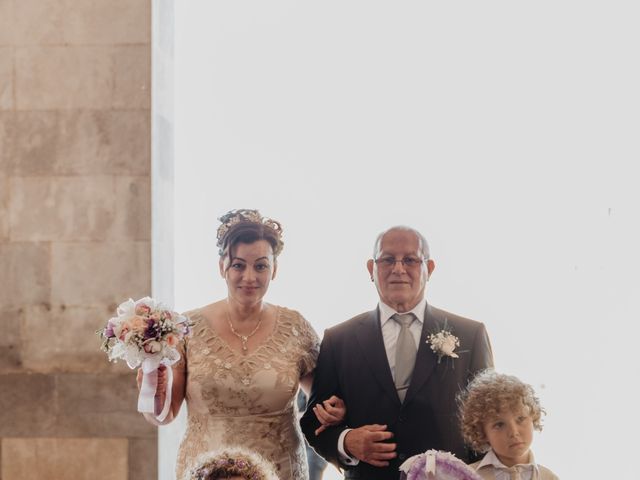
x=145, y=333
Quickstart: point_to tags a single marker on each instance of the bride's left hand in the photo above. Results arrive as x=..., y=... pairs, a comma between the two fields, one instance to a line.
x=330, y=412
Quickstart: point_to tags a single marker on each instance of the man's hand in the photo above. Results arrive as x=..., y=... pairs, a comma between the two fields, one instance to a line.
x=367, y=444
x=330, y=412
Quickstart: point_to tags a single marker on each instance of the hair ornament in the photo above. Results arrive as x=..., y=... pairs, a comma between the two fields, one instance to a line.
x=244, y=215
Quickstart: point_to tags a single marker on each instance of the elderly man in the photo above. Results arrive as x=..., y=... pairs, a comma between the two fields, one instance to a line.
x=398, y=369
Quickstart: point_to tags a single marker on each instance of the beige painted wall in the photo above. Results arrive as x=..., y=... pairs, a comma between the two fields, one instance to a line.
x=75, y=227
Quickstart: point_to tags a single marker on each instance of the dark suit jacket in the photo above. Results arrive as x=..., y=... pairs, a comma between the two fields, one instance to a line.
x=353, y=365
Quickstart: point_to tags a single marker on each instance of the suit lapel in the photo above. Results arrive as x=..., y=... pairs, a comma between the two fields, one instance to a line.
x=369, y=336
x=425, y=359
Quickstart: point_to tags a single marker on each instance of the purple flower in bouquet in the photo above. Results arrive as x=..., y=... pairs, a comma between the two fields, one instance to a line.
x=108, y=331
x=152, y=330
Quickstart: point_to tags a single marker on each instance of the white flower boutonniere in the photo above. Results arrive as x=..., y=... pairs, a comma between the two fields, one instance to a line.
x=444, y=343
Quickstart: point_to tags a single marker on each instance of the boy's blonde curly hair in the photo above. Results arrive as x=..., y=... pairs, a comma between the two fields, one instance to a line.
x=488, y=394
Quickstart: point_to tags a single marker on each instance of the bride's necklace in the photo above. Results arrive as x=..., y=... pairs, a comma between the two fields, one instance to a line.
x=244, y=338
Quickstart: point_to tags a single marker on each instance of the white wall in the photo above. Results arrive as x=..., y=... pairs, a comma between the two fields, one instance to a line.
x=506, y=132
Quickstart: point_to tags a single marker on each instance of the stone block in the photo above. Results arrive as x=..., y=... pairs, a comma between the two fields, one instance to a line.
x=25, y=274
x=56, y=347
x=100, y=405
x=100, y=273
x=143, y=459
x=110, y=142
x=133, y=208
x=108, y=21
x=6, y=77
x=6, y=133
x=61, y=208
x=4, y=205
x=132, y=71
x=27, y=406
x=76, y=142
x=64, y=77
x=67, y=458
x=10, y=341
x=6, y=22
x=38, y=22
x=31, y=142
x=130, y=142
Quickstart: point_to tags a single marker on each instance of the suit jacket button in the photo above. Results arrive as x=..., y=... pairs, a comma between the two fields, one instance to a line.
x=401, y=418
x=402, y=457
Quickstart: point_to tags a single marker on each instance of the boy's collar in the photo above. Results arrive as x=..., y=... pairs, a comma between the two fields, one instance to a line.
x=491, y=459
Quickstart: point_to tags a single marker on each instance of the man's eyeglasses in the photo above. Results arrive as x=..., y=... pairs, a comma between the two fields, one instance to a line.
x=388, y=263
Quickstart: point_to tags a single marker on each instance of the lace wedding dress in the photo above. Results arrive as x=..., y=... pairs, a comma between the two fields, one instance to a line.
x=248, y=400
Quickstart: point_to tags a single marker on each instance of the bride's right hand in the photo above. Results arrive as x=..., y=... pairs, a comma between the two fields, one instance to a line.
x=330, y=412
x=161, y=388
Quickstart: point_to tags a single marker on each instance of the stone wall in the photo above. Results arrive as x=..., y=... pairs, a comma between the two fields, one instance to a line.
x=75, y=227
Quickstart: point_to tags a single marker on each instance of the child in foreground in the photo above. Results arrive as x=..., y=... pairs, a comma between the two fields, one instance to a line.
x=498, y=414
x=232, y=464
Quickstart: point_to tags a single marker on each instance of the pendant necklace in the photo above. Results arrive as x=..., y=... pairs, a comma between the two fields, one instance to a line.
x=244, y=338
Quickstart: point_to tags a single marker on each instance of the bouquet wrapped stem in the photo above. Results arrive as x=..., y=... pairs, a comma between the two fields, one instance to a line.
x=148, y=388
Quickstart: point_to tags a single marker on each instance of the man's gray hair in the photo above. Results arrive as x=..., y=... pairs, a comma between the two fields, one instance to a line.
x=424, y=245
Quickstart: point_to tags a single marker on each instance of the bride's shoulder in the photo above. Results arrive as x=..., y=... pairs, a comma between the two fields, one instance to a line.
x=293, y=318
x=287, y=313
x=199, y=315
x=211, y=309
x=195, y=314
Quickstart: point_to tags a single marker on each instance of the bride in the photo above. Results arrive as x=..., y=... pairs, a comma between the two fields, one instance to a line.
x=241, y=368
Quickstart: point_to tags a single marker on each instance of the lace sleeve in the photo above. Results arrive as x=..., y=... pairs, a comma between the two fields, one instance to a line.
x=310, y=347
x=183, y=346
x=181, y=365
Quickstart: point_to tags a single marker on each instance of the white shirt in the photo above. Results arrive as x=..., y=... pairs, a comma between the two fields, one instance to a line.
x=490, y=460
x=390, y=331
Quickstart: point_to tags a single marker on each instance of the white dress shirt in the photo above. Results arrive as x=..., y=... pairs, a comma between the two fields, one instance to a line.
x=390, y=331
x=502, y=472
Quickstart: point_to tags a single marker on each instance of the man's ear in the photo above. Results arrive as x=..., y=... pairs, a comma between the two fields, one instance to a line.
x=431, y=266
x=370, y=265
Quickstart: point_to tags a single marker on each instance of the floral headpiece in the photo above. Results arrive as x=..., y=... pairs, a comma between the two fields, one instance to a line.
x=235, y=217
x=232, y=462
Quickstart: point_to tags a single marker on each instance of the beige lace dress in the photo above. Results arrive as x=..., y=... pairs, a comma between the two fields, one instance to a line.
x=248, y=401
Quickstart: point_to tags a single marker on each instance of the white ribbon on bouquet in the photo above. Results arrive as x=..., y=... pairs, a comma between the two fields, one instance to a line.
x=146, y=398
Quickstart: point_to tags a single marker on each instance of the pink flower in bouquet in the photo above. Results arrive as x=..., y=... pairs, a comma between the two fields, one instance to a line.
x=121, y=330
x=172, y=340
x=152, y=346
x=138, y=324
x=142, y=309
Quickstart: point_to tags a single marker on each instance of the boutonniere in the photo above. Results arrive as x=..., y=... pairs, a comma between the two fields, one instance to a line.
x=443, y=343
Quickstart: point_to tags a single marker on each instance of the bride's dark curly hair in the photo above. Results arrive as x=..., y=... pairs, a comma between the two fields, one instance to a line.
x=248, y=226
